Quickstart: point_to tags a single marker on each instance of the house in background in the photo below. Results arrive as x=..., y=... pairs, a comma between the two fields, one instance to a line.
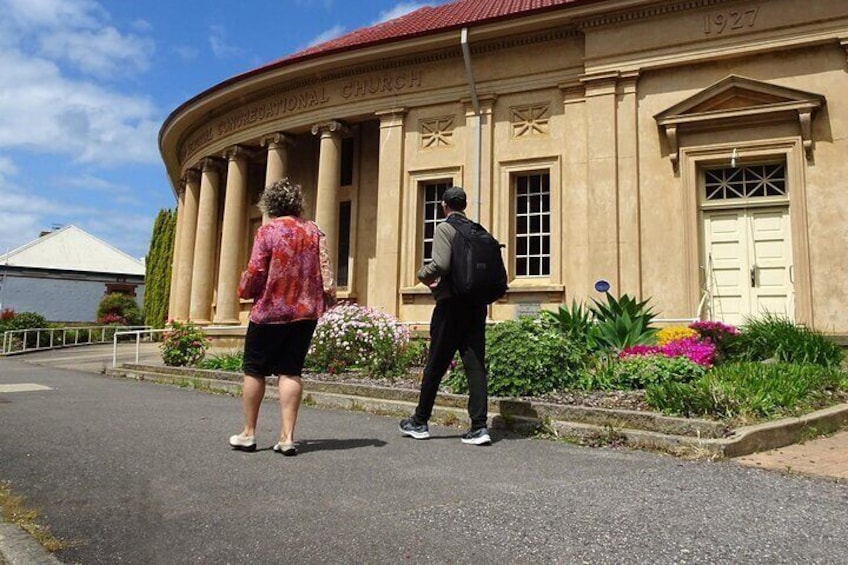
x=64, y=274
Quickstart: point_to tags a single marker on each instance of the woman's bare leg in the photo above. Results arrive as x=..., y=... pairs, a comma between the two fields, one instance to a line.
x=252, y=393
x=291, y=389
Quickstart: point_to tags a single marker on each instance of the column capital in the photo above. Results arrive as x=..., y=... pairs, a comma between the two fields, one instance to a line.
x=236, y=152
x=392, y=117
x=211, y=164
x=486, y=101
x=276, y=139
x=329, y=128
x=189, y=176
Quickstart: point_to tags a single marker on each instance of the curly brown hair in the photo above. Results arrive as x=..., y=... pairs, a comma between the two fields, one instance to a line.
x=283, y=198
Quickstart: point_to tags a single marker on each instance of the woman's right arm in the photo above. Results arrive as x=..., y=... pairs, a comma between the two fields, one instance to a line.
x=252, y=283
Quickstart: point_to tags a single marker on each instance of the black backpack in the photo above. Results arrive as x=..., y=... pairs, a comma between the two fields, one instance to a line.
x=477, y=267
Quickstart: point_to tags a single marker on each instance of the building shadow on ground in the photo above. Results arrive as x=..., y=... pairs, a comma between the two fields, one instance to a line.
x=307, y=445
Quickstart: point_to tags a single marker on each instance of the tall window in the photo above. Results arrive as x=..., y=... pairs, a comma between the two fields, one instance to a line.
x=346, y=170
x=432, y=213
x=343, y=270
x=533, y=225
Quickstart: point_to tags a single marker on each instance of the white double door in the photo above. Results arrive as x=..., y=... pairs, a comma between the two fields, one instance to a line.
x=748, y=263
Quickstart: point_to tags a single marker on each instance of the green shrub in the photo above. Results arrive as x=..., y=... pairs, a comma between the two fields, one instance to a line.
x=775, y=337
x=575, y=323
x=527, y=357
x=417, y=352
x=350, y=336
x=183, y=345
x=28, y=321
x=116, y=306
x=641, y=371
x=747, y=390
x=231, y=361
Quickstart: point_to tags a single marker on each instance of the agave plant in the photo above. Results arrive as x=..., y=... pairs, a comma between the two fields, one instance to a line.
x=622, y=322
x=575, y=323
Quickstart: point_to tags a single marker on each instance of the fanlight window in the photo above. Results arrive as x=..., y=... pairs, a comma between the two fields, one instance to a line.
x=741, y=183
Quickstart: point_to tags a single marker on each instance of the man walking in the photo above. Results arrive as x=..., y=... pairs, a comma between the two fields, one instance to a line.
x=457, y=324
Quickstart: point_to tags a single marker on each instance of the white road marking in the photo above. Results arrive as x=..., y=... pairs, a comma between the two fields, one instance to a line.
x=23, y=387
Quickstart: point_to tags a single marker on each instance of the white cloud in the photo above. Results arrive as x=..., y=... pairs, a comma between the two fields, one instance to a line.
x=186, y=53
x=399, y=10
x=46, y=108
x=218, y=42
x=53, y=13
x=74, y=32
x=40, y=109
x=102, y=52
x=327, y=35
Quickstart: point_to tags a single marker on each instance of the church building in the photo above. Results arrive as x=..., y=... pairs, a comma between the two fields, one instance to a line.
x=687, y=151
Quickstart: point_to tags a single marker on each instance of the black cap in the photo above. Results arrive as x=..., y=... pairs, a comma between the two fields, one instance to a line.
x=455, y=198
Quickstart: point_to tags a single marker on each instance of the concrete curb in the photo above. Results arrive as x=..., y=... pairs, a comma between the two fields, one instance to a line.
x=17, y=547
x=680, y=436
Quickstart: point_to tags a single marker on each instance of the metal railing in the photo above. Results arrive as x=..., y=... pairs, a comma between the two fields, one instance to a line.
x=138, y=333
x=40, y=339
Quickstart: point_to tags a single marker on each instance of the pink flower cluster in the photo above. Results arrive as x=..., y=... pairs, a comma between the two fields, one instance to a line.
x=715, y=331
x=112, y=318
x=696, y=350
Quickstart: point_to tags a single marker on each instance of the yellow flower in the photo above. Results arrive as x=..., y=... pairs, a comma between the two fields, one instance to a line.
x=673, y=333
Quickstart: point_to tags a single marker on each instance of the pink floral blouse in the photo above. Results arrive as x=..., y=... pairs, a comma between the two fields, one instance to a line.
x=288, y=275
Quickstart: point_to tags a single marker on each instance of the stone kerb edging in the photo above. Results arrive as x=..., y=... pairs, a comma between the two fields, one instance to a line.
x=639, y=429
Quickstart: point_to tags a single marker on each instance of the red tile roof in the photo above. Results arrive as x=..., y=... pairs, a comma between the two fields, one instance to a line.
x=427, y=20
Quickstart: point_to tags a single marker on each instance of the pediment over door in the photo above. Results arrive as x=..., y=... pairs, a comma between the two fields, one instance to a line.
x=738, y=101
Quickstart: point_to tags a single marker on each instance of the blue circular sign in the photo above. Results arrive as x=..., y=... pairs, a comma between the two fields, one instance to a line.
x=602, y=285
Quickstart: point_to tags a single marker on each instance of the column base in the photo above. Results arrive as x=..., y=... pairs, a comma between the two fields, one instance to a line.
x=228, y=322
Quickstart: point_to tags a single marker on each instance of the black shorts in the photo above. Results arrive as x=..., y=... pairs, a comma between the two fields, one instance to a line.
x=277, y=349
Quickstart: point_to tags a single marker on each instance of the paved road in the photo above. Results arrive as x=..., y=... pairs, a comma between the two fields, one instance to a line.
x=139, y=473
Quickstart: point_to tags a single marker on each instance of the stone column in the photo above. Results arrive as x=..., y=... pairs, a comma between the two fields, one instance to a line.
x=204, y=245
x=175, y=258
x=603, y=241
x=232, y=237
x=187, y=222
x=383, y=290
x=278, y=160
x=329, y=169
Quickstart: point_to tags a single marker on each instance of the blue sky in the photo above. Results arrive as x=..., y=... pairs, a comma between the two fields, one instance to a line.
x=85, y=86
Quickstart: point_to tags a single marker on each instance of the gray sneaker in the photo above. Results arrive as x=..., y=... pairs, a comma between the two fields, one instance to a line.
x=409, y=427
x=480, y=436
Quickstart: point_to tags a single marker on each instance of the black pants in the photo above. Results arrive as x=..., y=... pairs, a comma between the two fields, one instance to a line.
x=456, y=326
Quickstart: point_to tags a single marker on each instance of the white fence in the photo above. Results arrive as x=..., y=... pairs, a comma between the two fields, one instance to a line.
x=39, y=339
x=149, y=331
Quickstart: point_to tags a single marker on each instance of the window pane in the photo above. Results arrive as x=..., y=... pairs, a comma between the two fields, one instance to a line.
x=344, y=245
x=521, y=267
x=521, y=246
x=346, y=175
x=532, y=224
x=431, y=214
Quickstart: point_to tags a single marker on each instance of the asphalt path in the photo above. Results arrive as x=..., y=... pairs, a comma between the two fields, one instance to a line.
x=140, y=473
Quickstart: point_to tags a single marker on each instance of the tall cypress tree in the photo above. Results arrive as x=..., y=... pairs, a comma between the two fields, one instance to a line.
x=157, y=280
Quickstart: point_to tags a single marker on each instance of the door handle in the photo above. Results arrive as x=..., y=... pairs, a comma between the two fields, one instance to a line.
x=792, y=274
x=754, y=276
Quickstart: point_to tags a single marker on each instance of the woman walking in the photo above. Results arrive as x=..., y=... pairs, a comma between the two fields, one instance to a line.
x=290, y=280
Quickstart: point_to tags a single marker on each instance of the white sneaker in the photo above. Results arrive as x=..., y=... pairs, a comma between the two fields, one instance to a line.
x=287, y=449
x=243, y=443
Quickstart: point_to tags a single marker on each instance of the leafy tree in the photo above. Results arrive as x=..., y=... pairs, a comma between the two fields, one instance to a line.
x=157, y=280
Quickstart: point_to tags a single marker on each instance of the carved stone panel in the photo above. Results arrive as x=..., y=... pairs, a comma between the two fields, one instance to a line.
x=437, y=132
x=530, y=121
